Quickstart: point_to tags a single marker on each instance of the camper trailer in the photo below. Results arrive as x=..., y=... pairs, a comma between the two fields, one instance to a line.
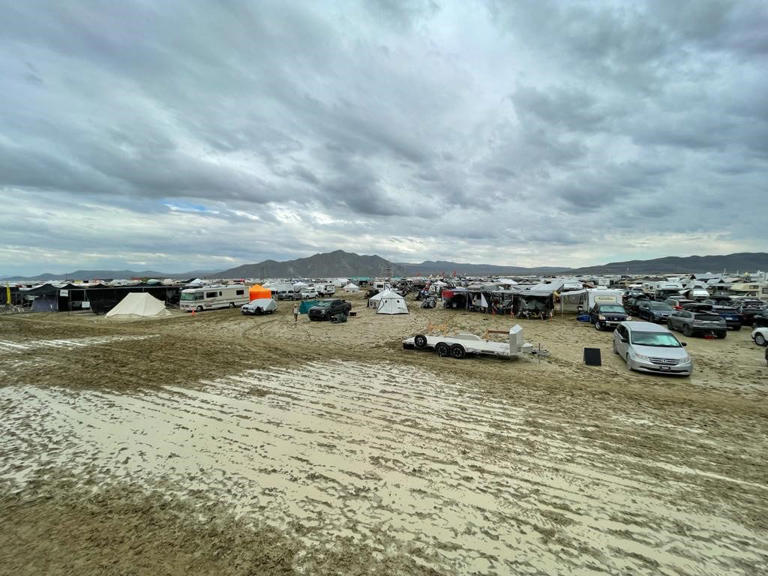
x=663, y=290
x=212, y=297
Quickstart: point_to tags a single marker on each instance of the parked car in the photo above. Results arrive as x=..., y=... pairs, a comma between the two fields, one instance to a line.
x=326, y=309
x=691, y=322
x=748, y=308
x=728, y=311
x=654, y=311
x=631, y=303
x=760, y=319
x=308, y=293
x=259, y=306
x=677, y=302
x=648, y=347
x=605, y=316
x=760, y=336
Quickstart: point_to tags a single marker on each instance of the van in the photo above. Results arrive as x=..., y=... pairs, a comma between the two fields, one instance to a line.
x=308, y=292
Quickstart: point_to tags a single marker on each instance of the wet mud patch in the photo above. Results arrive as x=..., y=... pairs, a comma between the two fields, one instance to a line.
x=404, y=464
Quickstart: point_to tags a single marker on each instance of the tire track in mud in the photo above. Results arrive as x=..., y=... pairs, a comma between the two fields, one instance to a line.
x=386, y=452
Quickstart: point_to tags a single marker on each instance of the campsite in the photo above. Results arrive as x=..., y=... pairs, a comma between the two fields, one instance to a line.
x=243, y=441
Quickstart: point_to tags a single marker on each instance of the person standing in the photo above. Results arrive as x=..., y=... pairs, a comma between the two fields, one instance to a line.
x=295, y=313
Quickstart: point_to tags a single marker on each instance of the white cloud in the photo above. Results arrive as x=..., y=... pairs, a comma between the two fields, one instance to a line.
x=189, y=135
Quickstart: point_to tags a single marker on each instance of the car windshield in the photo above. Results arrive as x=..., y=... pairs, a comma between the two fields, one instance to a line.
x=614, y=308
x=659, y=306
x=322, y=304
x=662, y=339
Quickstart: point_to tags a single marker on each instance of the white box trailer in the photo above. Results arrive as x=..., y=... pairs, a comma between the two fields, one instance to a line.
x=459, y=345
x=608, y=296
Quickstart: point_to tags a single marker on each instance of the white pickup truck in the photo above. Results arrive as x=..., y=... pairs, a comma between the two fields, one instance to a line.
x=459, y=345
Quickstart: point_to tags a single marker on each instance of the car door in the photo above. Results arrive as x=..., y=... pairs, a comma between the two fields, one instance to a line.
x=620, y=339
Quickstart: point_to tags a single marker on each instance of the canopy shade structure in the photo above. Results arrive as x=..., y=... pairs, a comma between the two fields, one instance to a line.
x=258, y=292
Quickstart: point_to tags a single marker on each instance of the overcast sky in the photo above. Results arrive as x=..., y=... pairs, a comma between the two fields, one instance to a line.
x=189, y=135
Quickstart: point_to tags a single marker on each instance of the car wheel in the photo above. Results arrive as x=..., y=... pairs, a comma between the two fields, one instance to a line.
x=199, y=309
x=721, y=334
x=457, y=351
x=597, y=326
x=737, y=328
x=687, y=330
x=760, y=340
x=442, y=349
x=420, y=341
x=231, y=304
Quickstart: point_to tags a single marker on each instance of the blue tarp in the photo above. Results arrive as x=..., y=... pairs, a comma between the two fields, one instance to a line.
x=306, y=305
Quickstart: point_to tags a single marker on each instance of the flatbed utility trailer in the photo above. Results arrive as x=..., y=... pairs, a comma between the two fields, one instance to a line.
x=459, y=345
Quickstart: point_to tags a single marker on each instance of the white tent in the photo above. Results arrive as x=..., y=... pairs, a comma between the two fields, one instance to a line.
x=139, y=305
x=351, y=288
x=389, y=302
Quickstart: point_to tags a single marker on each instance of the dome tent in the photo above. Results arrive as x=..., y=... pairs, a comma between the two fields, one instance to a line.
x=389, y=302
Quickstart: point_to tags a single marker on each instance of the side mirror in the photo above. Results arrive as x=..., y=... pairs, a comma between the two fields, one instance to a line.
x=684, y=344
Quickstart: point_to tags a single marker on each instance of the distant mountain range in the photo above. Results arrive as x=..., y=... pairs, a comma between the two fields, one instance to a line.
x=340, y=264
x=105, y=275
x=731, y=263
x=444, y=267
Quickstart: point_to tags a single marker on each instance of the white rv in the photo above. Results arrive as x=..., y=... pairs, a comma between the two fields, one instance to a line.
x=212, y=297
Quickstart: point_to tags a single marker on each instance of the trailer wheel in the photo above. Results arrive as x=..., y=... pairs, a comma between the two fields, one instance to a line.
x=442, y=349
x=420, y=341
x=457, y=351
x=199, y=309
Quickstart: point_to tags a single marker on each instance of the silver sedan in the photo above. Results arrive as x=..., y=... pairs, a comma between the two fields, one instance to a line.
x=651, y=348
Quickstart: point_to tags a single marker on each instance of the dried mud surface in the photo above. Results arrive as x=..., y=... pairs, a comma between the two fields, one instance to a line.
x=216, y=443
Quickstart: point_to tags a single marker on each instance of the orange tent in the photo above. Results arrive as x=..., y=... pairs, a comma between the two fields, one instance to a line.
x=257, y=291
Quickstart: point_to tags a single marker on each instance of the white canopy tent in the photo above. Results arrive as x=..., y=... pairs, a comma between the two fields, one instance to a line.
x=353, y=288
x=138, y=305
x=389, y=302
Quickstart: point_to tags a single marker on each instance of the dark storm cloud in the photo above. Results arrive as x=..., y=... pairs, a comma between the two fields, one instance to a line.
x=433, y=128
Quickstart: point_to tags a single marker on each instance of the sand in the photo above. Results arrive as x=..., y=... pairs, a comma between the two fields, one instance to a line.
x=217, y=443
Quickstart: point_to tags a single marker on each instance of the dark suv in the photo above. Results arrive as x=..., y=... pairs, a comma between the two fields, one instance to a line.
x=654, y=311
x=327, y=309
x=760, y=319
x=749, y=308
x=605, y=316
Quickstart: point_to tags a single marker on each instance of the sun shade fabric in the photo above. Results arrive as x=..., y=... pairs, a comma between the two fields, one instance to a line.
x=257, y=292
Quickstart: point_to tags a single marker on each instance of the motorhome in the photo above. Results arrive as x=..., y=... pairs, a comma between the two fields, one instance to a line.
x=212, y=297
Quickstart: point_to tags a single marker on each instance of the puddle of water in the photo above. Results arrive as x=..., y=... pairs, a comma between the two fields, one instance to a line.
x=11, y=346
x=386, y=450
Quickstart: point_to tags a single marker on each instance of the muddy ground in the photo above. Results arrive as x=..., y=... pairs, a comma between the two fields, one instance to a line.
x=216, y=443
